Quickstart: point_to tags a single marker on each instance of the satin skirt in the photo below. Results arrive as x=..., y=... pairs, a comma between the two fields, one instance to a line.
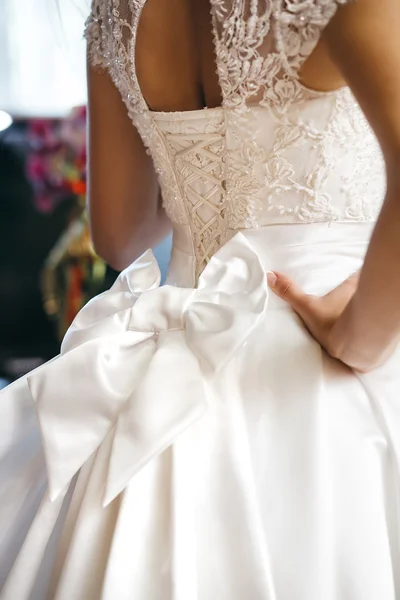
x=198, y=444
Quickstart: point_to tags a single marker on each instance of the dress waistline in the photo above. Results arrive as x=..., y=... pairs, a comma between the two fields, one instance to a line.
x=331, y=250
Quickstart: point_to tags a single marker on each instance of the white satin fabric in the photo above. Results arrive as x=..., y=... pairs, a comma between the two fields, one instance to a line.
x=195, y=444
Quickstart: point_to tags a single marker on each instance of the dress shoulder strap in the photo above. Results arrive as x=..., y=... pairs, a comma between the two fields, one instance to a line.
x=261, y=45
x=110, y=31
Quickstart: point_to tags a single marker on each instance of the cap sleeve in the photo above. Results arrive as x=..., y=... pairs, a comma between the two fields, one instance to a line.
x=95, y=34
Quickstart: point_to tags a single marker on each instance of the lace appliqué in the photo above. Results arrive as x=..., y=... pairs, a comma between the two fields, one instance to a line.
x=111, y=34
x=322, y=163
x=261, y=45
x=325, y=171
x=244, y=178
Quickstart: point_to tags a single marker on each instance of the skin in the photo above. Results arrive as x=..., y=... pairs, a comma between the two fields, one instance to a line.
x=360, y=48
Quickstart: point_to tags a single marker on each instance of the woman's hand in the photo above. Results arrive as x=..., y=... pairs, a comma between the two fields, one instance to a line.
x=325, y=317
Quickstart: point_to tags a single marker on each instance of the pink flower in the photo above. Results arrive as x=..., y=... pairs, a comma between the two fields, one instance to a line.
x=44, y=203
x=42, y=132
x=36, y=168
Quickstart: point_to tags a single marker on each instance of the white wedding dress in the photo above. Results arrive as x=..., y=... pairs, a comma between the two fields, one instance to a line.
x=193, y=441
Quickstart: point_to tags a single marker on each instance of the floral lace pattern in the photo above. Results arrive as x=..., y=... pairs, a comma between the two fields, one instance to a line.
x=261, y=45
x=275, y=152
x=111, y=30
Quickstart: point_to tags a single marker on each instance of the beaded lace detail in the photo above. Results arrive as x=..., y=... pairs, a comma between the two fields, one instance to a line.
x=275, y=152
x=261, y=45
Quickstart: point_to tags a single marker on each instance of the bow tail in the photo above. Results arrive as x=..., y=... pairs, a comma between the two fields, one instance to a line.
x=169, y=399
x=77, y=398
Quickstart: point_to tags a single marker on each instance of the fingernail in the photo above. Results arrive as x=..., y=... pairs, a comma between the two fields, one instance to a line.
x=271, y=278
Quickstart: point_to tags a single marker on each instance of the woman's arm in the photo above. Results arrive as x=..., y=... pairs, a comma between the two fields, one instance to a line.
x=359, y=322
x=365, y=42
x=125, y=211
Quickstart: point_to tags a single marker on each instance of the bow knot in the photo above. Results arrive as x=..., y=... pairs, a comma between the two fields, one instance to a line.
x=162, y=309
x=132, y=365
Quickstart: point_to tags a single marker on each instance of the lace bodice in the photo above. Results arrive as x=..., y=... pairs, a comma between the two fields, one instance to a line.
x=275, y=152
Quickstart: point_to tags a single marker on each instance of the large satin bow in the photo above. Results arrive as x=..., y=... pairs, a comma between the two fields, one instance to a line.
x=134, y=361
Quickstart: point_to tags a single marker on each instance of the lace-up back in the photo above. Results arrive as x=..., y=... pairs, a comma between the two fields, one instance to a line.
x=275, y=152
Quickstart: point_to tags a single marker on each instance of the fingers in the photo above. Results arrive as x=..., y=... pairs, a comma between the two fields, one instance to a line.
x=284, y=287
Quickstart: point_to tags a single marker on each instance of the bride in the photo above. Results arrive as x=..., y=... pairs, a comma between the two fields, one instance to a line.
x=235, y=434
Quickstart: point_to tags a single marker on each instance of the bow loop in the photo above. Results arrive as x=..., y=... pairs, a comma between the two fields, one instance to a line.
x=141, y=276
x=231, y=300
x=162, y=309
x=111, y=311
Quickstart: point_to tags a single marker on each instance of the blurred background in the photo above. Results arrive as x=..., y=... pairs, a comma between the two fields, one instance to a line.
x=47, y=266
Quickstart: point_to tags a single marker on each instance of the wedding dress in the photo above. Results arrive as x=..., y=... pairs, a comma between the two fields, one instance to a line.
x=193, y=441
